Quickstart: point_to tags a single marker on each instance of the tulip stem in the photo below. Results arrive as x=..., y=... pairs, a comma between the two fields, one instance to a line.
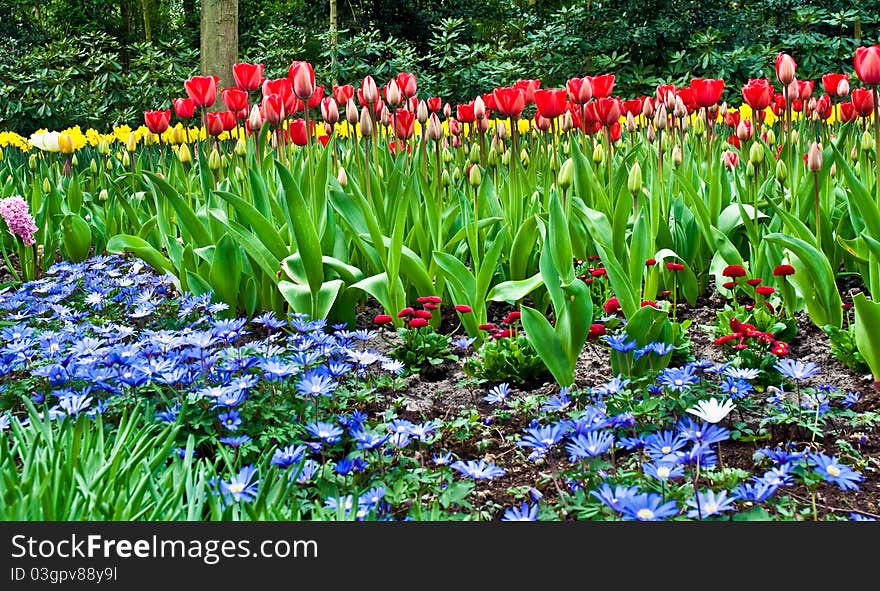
x=876, y=143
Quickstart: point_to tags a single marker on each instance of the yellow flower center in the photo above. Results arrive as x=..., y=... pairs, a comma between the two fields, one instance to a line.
x=833, y=470
x=666, y=449
x=236, y=487
x=645, y=514
x=663, y=472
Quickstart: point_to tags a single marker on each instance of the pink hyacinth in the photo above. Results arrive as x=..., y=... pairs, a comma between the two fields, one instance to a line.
x=14, y=211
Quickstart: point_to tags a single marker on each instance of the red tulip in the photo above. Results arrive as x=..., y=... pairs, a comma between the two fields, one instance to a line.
x=666, y=95
x=823, y=106
x=315, y=100
x=615, y=130
x=229, y=119
x=730, y=159
x=297, y=132
x=542, y=123
x=404, y=124
x=687, y=97
x=848, y=112
x=608, y=110
x=785, y=68
x=510, y=101
x=867, y=63
x=247, y=76
x=302, y=77
x=706, y=91
x=863, y=101
x=551, y=103
x=580, y=90
x=369, y=91
x=202, y=90
x=343, y=93
x=214, y=122
x=528, y=87
x=435, y=103
x=633, y=106
x=283, y=88
x=272, y=109
x=157, y=121
x=602, y=85
x=183, y=107
x=329, y=110
x=758, y=93
x=831, y=81
x=805, y=89
x=489, y=101
x=406, y=82
x=465, y=113
x=234, y=98
x=732, y=118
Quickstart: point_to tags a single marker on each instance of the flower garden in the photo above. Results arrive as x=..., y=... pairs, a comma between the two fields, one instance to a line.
x=288, y=301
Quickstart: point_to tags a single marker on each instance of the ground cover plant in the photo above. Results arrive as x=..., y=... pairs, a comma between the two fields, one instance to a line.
x=353, y=304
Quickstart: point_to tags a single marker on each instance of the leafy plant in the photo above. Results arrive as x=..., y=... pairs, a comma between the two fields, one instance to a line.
x=510, y=359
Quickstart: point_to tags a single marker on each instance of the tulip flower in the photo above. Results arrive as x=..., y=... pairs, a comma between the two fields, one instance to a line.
x=465, y=113
x=706, y=92
x=848, y=112
x=805, y=89
x=255, y=119
x=329, y=110
x=551, y=103
x=343, y=93
x=607, y=110
x=183, y=107
x=366, y=123
x=234, y=98
x=202, y=90
x=392, y=93
x=528, y=87
x=283, y=88
x=214, y=123
x=435, y=129
x=272, y=109
x=602, y=85
x=157, y=121
x=509, y=101
x=314, y=101
x=863, y=101
x=830, y=83
x=369, y=90
x=814, y=157
x=302, y=77
x=580, y=90
x=247, y=76
x=867, y=64
x=785, y=68
x=404, y=124
x=298, y=132
x=46, y=141
x=406, y=83
x=435, y=103
x=633, y=106
x=758, y=93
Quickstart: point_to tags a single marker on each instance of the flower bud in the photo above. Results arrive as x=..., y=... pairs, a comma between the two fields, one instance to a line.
x=93, y=166
x=867, y=141
x=456, y=174
x=214, y=162
x=792, y=91
x=660, y=118
x=32, y=161
x=104, y=147
x=750, y=170
x=444, y=178
x=392, y=93
x=699, y=126
x=47, y=186
x=566, y=122
x=756, y=153
x=351, y=112
x=126, y=160
x=422, y=112
x=648, y=108
x=598, y=154
x=131, y=142
x=447, y=110
x=744, y=131
x=474, y=155
x=854, y=154
x=677, y=156
x=651, y=134
x=65, y=143
x=634, y=181
x=342, y=177
x=501, y=131
x=505, y=158
x=492, y=158
x=479, y=108
x=842, y=87
x=103, y=195
x=239, y=173
x=771, y=137
x=524, y=158
x=385, y=117
x=630, y=122
x=781, y=171
x=369, y=90
x=680, y=108
x=435, y=128
x=240, y=147
x=814, y=157
x=566, y=174
x=833, y=171
x=446, y=156
x=795, y=136
x=685, y=124
x=475, y=175
x=366, y=123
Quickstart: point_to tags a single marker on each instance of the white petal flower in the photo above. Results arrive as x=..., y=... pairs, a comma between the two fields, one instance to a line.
x=46, y=141
x=711, y=410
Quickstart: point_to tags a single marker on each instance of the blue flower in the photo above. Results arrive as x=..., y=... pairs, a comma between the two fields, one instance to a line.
x=616, y=497
x=647, y=507
x=478, y=470
x=285, y=457
x=270, y=321
x=736, y=388
x=347, y=466
x=741, y=373
x=613, y=386
x=368, y=441
x=230, y=419
x=708, y=504
x=705, y=433
x=5, y=421
x=779, y=455
x=326, y=432
x=235, y=441
x=658, y=349
x=662, y=471
x=851, y=398
x=831, y=470
x=620, y=342
x=541, y=439
x=778, y=476
x=678, y=378
x=498, y=394
x=590, y=445
x=443, y=459
x=557, y=403
x=463, y=342
x=243, y=487
x=860, y=517
x=663, y=444
x=169, y=415
x=756, y=492
x=796, y=370
x=524, y=512
x=316, y=383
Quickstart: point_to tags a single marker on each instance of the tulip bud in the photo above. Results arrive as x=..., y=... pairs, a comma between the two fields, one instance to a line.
x=474, y=155
x=554, y=162
x=744, y=131
x=446, y=156
x=814, y=157
x=795, y=136
x=131, y=142
x=756, y=153
x=1, y=154
x=479, y=108
x=630, y=122
x=750, y=170
x=833, y=171
x=184, y=155
x=505, y=158
x=566, y=122
x=392, y=93
x=126, y=160
x=103, y=195
x=634, y=181
x=342, y=177
x=380, y=172
x=660, y=118
x=648, y=107
x=501, y=131
x=699, y=126
x=385, y=117
x=444, y=178
x=239, y=173
x=369, y=90
x=47, y=187
x=32, y=161
x=524, y=158
x=240, y=147
x=366, y=123
x=680, y=108
x=104, y=147
x=475, y=176
x=598, y=154
x=214, y=161
x=566, y=174
x=651, y=134
x=843, y=87
x=677, y=156
x=492, y=158
x=422, y=112
x=854, y=154
x=792, y=91
x=65, y=143
x=771, y=137
x=685, y=124
x=93, y=166
x=867, y=141
x=456, y=174
x=781, y=171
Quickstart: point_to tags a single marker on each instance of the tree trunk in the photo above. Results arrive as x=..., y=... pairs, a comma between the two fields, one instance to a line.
x=148, y=29
x=334, y=28
x=219, y=39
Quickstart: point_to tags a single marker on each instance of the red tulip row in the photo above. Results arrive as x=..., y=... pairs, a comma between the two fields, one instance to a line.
x=585, y=103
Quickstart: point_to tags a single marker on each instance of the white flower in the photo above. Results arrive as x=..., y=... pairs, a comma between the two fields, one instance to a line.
x=46, y=141
x=711, y=410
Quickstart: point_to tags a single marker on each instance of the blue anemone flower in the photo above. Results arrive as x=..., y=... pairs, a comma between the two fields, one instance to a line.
x=796, y=370
x=524, y=512
x=831, y=470
x=647, y=507
x=478, y=470
x=243, y=487
x=707, y=504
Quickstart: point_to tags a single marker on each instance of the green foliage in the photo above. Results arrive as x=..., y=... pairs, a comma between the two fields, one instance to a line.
x=844, y=348
x=512, y=359
x=422, y=348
